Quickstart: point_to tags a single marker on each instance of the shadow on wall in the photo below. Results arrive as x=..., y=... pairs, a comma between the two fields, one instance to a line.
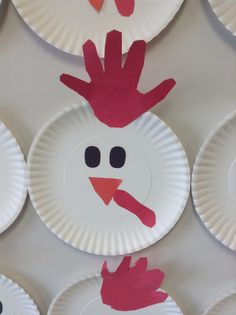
x=218, y=27
x=3, y=11
x=157, y=39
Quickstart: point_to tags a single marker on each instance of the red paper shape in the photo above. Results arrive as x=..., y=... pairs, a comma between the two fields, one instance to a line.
x=125, y=200
x=125, y=7
x=112, y=91
x=97, y=4
x=132, y=288
x=105, y=187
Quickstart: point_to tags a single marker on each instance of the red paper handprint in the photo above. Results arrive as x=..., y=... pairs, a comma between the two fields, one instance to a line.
x=112, y=92
x=132, y=288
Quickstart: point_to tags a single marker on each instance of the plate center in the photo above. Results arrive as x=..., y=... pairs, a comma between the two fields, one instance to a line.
x=232, y=181
x=134, y=173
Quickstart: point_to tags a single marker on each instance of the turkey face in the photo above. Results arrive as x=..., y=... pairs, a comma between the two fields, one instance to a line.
x=105, y=187
x=101, y=184
x=106, y=163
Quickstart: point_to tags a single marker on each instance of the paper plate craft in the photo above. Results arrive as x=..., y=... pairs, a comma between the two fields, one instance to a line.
x=225, y=304
x=13, y=186
x=128, y=290
x=68, y=24
x=225, y=10
x=14, y=300
x=214, y=182
x=106, y=177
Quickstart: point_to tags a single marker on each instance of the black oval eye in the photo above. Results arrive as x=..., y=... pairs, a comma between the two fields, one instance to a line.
x=92, y=156
x=1, y=308
x=117, y=157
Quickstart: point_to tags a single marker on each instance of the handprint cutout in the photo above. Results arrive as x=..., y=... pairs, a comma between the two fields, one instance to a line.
x=112, y=91
x=132, y=288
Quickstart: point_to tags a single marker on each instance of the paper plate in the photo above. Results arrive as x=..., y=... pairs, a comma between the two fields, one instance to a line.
x=225, y=304
x=156, y=173
x=13, y=186
x=83, y=297
x=225, y=10
x=68, y=24
x=214, y=182
x=14, y=300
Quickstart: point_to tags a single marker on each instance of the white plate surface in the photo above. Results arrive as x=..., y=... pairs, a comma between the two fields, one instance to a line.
x=214, y=182
x=83, y=298
x=14, y=300
x=68, y=24
x=13, y=182
x=224, y=305
x=225, y=10
x=156, y=173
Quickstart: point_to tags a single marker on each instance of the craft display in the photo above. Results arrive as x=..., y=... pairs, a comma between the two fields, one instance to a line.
x=225, y=10
x=214, y=182
x=13, y=186
x=106, y=177
x=68, y=24
x=225, y=304
x=14, y=300
x=128, y=290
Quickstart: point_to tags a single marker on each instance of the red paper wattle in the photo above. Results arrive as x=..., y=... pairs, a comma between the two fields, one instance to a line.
x=128, y=202
x=125, y=7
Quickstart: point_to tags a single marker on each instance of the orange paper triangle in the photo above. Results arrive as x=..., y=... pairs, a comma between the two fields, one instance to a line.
x=97, y=4
x=105, y=187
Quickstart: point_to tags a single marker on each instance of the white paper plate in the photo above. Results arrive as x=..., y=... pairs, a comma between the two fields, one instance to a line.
x=225, y=10
x=156, y=173
x=68, y=24
x=83, y=298
x=14, y=300
x=224, y=305
x=13, y=186
x=214, y=182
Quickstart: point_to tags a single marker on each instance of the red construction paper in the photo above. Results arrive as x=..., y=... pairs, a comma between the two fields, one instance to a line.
x=125, y=7
x=125, y=200
x=132, y=288
x=105, y=187
x=112, y=92
x=97, y=4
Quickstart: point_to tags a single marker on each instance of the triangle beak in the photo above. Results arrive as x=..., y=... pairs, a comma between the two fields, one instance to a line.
x=105, y=187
